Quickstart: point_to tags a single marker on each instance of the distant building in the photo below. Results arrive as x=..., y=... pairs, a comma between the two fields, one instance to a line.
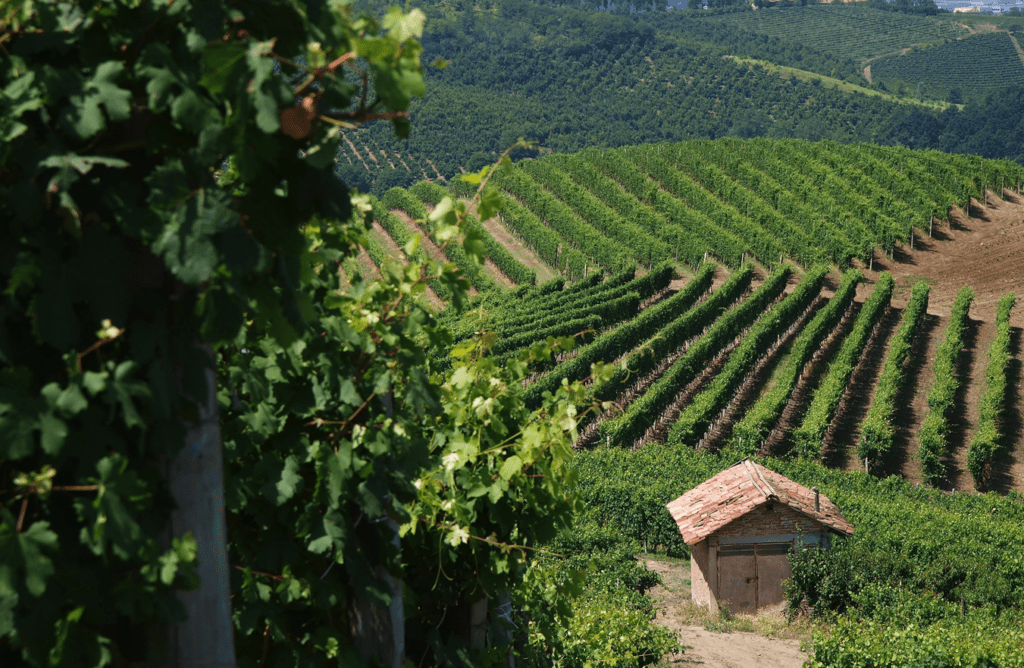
x=741, y=525
x=965, y=10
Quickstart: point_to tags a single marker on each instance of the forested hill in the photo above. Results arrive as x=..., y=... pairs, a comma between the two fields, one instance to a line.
x=571, y=79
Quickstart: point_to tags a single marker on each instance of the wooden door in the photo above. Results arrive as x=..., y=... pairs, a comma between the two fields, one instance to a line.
x=737, y=577
x=750, y=575
x=772, y=568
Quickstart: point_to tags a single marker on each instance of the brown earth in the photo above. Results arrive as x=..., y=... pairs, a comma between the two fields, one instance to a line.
x=431, y=249
x=985, y=252
x=766, y=640
x=396, y=253
x=517, y=248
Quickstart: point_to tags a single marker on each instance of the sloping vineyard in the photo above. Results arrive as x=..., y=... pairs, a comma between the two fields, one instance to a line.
x=847, y=30
x=757, y=229
x=732, y=199
x=980, y=63
x=698, y=366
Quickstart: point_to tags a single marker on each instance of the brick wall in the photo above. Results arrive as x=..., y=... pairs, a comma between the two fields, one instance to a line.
x=774, y=518
x=700, y=591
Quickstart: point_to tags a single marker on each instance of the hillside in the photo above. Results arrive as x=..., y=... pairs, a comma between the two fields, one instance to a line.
x=848, y=30
x=894, y=217
x=824, y=375
x=978, y=64
x=571, y=79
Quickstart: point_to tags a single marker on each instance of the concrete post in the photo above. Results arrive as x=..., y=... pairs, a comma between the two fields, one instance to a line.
x=196, y=480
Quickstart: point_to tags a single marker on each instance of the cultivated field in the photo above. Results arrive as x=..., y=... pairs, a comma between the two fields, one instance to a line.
x=829, y=353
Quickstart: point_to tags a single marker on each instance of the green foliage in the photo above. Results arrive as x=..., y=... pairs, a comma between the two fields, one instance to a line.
x=571, y=79
x=157, y=178
x=849, y=30
x=533, y=311
x=613, y=344
x=979, y=63
x=642, y=413
x=876, y=431
x=649, y=353
x=758, y=422
x=702, y=234
x=173, y=186
x=821, y=579
x=982, y=639
x=543, y=240
x=597, y=214
x=932, y=439
x=691, y=424
x=727, y=198
x=612, y=619
x=808, y=437
x=988, y=442
x=576, y=232
x=428, y=191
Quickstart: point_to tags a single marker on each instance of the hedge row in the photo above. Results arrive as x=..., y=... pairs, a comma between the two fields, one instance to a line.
x=988, y=443
x=876, y=432
x=809, y=435
x=540, y=238
x=648, y=354
x=762, y=418
x=695, y=419
x=516, y=271
x=934, y=429
x=645, y=410
x=611, y=345
x=539, y=311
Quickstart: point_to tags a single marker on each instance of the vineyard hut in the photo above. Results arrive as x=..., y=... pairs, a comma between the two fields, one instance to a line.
x=741, y=525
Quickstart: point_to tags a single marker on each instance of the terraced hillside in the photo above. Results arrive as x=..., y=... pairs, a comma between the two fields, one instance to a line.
x=795, y=334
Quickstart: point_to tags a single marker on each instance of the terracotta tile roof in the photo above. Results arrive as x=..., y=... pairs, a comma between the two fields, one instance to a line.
x=739, y=489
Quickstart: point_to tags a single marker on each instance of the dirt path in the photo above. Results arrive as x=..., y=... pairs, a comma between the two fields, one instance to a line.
x=737, y=650
x=867, y=73
x=742, y=642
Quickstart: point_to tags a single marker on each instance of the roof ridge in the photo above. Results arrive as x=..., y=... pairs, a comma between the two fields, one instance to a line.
x=760, y=475
x=744, y=462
